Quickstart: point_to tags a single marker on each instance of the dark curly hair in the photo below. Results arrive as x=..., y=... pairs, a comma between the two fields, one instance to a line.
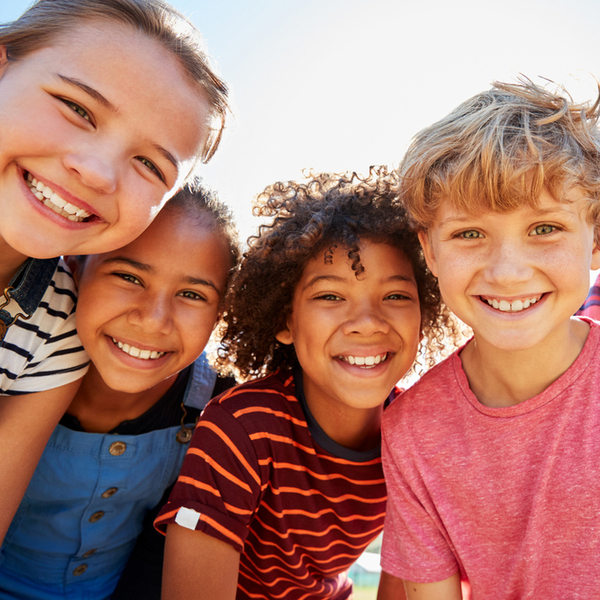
x=306, y=219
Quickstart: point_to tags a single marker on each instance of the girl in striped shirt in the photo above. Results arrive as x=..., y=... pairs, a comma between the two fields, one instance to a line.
x=105, y=108
x=282, y=487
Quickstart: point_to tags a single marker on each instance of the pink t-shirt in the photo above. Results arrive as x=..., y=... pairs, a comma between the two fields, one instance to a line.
x=510, y=497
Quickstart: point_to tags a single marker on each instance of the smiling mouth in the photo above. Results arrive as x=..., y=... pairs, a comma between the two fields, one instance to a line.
x=514, y=306
x=48, y=197
x=137, y=352
x=367, y=362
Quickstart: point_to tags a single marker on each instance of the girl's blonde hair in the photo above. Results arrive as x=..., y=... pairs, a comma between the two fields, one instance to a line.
x=41, y=24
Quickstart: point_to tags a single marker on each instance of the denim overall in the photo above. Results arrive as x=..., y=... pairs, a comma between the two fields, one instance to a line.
x=85, y=505
x=26, y=291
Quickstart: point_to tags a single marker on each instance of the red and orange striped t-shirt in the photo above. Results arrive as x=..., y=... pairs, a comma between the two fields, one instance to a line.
x=262, y=476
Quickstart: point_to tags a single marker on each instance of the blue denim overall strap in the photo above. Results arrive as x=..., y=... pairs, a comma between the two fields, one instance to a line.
x=27, y=288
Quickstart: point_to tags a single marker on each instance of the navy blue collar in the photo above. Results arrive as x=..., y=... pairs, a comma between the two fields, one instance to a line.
x=27, y=288
x=321, y=437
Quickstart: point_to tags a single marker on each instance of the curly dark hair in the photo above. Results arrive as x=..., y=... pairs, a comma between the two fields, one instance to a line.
x=306, y=219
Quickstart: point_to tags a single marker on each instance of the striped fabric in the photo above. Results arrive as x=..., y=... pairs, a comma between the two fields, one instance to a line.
x=299, y=514
x=44, y=352
x=591, y=306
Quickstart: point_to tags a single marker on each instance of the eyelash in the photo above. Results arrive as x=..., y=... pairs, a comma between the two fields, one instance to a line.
x=464, y=236
x=78, y=110
x=127, y=277
x=329, y=297
x=192, y=296
x=151, y=166
x=552, y=228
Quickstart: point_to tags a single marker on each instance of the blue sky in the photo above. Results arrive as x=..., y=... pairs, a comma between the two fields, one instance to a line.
x=343, y=84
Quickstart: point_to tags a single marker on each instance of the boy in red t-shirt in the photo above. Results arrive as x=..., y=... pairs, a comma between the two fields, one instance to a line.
x=491, y=458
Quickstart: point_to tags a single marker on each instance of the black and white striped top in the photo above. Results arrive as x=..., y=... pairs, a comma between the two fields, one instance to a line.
x=44, y=352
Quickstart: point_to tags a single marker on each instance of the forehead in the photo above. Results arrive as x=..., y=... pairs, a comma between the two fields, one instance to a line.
x=144, y=81
x=379, y=259
x=575, y=202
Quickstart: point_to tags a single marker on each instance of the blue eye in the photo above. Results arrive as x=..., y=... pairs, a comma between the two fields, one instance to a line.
x=543, y=229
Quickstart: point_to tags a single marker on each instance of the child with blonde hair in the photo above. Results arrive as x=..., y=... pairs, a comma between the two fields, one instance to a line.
x=491, y=458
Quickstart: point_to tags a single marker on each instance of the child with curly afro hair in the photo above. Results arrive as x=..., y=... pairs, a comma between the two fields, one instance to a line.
x=282, y=488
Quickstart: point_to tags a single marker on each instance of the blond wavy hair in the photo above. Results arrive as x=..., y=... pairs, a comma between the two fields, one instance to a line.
x=499, y=149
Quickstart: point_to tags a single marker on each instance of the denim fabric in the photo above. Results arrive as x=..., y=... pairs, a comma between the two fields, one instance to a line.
x=29, y=286
x=85, y=505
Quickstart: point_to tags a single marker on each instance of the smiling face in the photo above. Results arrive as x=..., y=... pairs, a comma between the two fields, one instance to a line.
x=354, y=337
x=516, y=278
x=147, y=310
x=95, y=133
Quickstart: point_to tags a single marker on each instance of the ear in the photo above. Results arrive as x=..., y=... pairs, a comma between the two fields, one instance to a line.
x=285, y=337
x=3, y=59
x=428, y=251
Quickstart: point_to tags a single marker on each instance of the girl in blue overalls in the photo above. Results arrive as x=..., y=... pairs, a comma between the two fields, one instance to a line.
x=144, y=315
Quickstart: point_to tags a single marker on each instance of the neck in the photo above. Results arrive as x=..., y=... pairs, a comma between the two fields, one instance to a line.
x=353, y=428
x=100, y=409
x=508, y=377
x=10, y=261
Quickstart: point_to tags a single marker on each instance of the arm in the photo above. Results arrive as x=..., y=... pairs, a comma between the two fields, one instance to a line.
x=390, y=587
x=198, y=566
x=394, y=588
x=26, y=423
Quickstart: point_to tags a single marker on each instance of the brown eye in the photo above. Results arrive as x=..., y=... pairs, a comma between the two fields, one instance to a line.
x=78, y=109
x=151, y=166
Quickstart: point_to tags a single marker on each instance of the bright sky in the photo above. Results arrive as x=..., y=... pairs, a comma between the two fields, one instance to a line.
x=344, y=84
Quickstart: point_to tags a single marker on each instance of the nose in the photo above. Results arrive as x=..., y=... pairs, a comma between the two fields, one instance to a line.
x=153, y=314
x=508, y=264
x=365, y=319
x=95, y=167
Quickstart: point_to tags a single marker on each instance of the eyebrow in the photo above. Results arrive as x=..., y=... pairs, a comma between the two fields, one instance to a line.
x=167, y=155
x=96, y=95
x=541, y=212
x=90, y=91
x=148, y=269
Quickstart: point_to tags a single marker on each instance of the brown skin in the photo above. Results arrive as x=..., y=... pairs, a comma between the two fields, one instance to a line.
x=198, y=566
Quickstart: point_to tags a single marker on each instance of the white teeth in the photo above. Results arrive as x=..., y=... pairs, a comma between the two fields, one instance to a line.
x=366, y=361
x=515, y=306
x=136, y=352
x=54, y=202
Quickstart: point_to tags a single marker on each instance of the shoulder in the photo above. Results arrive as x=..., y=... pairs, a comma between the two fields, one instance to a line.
x=272, y=392
x=440, y=378
x=62, y=290
x=260, y=407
